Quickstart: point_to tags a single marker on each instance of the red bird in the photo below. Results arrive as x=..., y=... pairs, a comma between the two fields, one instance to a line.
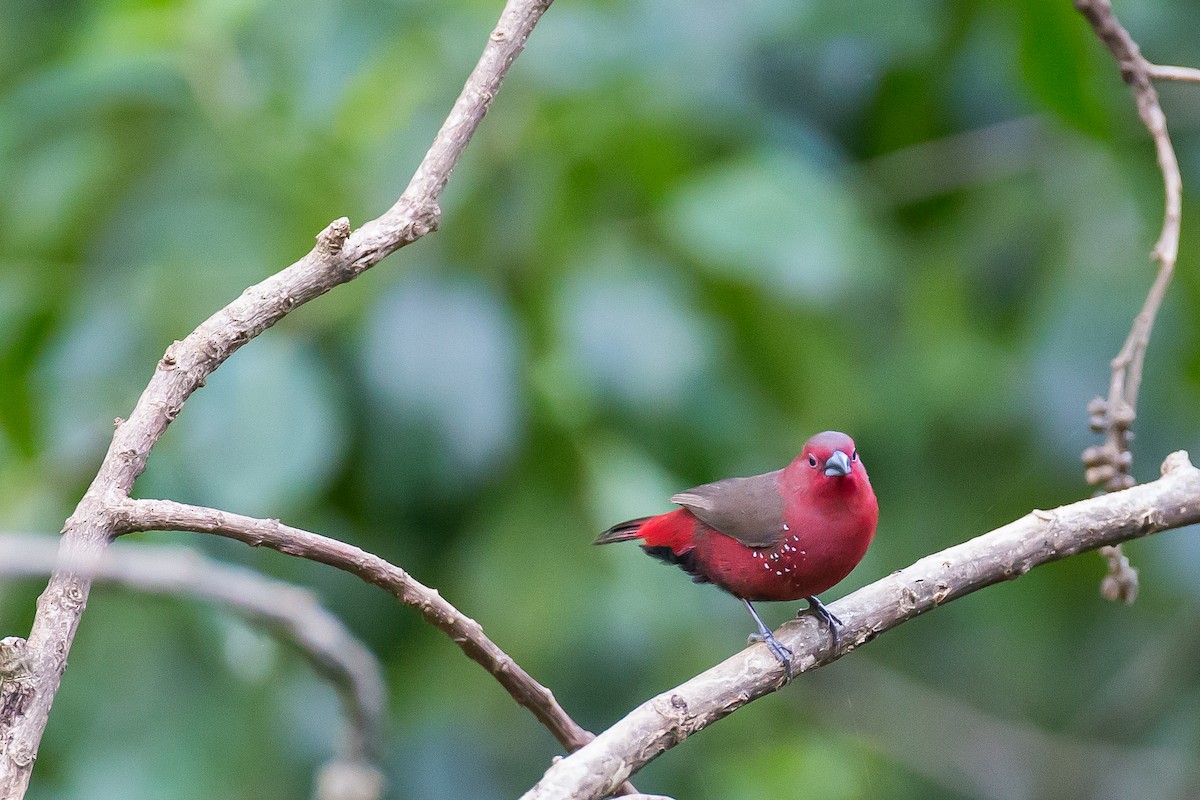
x=785, y=535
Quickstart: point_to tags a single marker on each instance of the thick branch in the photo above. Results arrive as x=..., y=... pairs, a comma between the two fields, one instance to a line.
x=1003, y=554
x=339, y=256
x=286, y=611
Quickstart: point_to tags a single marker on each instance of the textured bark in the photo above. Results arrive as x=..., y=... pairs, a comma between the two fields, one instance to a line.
x=1003, y=554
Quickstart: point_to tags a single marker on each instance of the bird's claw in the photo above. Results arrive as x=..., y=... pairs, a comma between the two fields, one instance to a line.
x=781, y=653
x=824, y=614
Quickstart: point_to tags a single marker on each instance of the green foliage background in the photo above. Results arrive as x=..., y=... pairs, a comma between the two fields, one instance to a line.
x=690, y=234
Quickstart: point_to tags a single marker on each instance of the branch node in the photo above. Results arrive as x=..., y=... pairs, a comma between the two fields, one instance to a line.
x=427, y=220
x=330, y=240
x=14, y=658
x=1176, y=461
x=22, y=755
x=168, y=360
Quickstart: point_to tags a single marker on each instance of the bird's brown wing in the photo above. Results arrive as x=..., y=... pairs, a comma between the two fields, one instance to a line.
x=747, y=509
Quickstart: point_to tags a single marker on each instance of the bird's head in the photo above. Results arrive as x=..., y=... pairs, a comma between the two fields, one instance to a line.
x=830, y=458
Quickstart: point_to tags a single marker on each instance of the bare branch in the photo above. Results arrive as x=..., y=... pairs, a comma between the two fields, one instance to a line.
x=284, y=610
x=338, y=256
x=1163, y=73
x=1108, y=464
x=1003, y=554
x=167, y=515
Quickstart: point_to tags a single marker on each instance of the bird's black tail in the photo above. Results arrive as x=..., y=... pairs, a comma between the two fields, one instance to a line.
x=622, y=531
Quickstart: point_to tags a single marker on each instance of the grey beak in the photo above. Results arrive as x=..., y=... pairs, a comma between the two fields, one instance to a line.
x=837, y=465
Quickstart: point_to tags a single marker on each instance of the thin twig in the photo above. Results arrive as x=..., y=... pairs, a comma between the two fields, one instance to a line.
x=1108, y=465
x=1003, y=554
x=1164, y=73
x=339, y=256
x=167, y=515
x=285, y=611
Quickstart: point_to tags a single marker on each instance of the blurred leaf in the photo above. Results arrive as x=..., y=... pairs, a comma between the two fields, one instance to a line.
x=441, y=359
x=1057, y=46
x=776, y=222
x=263, y=434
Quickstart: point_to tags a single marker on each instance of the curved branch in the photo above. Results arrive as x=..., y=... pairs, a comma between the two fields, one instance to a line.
x=286, y=611
x=338, y=257
x=167, y=515
x=1003, y=554
x=1108, y=465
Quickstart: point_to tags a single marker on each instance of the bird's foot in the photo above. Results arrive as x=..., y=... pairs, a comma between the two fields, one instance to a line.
x=781, y=653
x=817, y=607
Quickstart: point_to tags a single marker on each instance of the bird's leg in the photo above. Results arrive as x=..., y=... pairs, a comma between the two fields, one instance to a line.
x=817, y=607
x=764, y=635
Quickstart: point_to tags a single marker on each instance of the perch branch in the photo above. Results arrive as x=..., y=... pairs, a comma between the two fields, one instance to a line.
x=167, y=515
x=288, y=612
x=1003, y=554
x=1108, y=465
x=338, y=256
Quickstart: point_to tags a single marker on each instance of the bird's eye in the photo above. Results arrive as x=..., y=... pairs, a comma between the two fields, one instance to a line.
x=854, y=455
x=812, y=460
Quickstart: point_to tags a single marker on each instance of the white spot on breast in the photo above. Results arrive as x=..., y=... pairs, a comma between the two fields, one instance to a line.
x=785, y=527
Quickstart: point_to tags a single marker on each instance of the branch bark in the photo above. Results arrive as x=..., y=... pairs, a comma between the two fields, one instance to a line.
x=1003, y=554
x=339, y=256
x=288, y=612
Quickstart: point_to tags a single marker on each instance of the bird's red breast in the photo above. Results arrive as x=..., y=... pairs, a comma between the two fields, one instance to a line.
x=783, y=535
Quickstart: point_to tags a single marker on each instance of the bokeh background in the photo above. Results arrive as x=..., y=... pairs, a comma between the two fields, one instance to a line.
x=689, y=234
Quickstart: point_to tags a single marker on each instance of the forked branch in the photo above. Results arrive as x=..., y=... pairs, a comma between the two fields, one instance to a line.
x=1108, y=465
x=339, y=256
